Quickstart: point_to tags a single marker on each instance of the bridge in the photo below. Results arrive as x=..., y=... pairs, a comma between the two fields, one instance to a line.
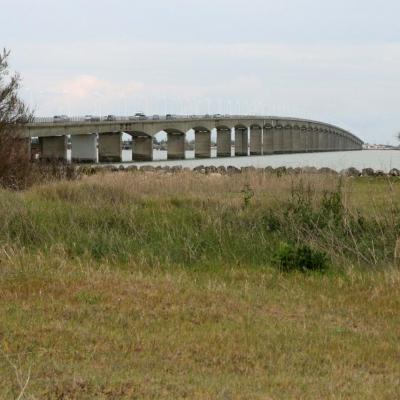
x=96, y=140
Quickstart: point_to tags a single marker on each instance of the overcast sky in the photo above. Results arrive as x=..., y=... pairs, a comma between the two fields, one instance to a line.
x=334, y=61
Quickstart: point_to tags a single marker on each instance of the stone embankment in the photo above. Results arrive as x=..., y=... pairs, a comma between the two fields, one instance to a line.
x=231, y=170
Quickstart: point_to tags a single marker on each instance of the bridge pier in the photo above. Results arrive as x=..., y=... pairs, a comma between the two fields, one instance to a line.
x=176, y=146
x=268, y=140
x=287, y=145
x=315, y=142
x=296, y=139
x=278, y=139
x=241, y=141
x=255, y=141
x=84, y=148
x=142, y=148
x=53, y=148
x=110, y=147
x=202, y=144
x=324, y=140
x=224, y=142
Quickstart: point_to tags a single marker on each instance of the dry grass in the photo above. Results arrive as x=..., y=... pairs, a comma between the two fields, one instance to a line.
x=76, y=327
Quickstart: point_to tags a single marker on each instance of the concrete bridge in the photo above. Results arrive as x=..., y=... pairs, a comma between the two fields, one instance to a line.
x=101, y=140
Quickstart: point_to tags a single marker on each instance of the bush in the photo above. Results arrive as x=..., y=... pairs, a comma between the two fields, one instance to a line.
x=290, y=257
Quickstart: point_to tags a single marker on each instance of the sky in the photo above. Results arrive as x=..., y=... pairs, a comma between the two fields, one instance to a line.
x=331, y=61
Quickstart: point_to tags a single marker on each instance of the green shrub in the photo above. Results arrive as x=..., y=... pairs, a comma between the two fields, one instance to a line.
x=289, y=257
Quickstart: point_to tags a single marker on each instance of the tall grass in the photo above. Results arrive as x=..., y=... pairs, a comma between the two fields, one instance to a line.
x=192, y=220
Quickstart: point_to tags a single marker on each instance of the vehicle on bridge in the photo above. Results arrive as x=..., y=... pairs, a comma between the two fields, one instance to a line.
x=110, y=118
x=138, y=116
x=61, y=118
x=91, y=118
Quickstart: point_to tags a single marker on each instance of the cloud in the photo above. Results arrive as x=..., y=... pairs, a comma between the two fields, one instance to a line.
x=85, y=87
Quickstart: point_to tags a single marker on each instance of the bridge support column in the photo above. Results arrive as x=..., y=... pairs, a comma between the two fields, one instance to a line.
x=202, y=144
x=110, y=147
x=142, y=148
x=53, y=148
x=303, y=139
x=309, y=134
x=296, y=139
x=255, y=141
x=287, y=139
x=325, y=140
x=241, y=142
x=268, y=140
x=224, y=143
x=278, y=139
x=176, y=146
x=320, y=140
x=315, y=144
x=84, y=148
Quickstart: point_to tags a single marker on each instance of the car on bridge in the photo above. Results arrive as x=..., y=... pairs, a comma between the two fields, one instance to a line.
x=110, y=118
x=139, y=115
x=61, y=118
x=91, y=118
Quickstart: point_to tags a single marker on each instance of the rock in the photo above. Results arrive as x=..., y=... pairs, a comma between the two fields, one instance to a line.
x=280, y=171
x=200, y=169
x=132, y=168
x=210, y=169
x=232, y=170
x=394, y=172
x=221, y=169
x=121, y=168
x=248, y=169
x=147, y=168
x=368, y=172
x=268, y=170
x=350, y=172
x=298, y=171
x=290, y=171
x=309, y=170
x=380, y=173
x=327, y=171
x=176, y=168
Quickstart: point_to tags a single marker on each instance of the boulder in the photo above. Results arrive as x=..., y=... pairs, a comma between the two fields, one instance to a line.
x=368, y=172
x=147, y=168
x=350, y=172
x=210, y=169
x=200, y=169
x=248, y=169
x=310, y=170
x=232, y=170
x=394, y=172
x=327, y=171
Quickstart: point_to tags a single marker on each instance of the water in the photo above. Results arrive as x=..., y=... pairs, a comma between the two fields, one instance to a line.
x=377, y=159
x=383, y=160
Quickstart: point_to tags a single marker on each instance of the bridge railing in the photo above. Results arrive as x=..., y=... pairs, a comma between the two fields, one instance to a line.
x=118, y=118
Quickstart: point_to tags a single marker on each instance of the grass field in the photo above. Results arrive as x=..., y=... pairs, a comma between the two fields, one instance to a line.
x=158, y=286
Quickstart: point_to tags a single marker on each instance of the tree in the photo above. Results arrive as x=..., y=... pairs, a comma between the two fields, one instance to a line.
x=14, y=150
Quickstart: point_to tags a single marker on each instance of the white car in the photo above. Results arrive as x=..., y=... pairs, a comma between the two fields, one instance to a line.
x=91, y=118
